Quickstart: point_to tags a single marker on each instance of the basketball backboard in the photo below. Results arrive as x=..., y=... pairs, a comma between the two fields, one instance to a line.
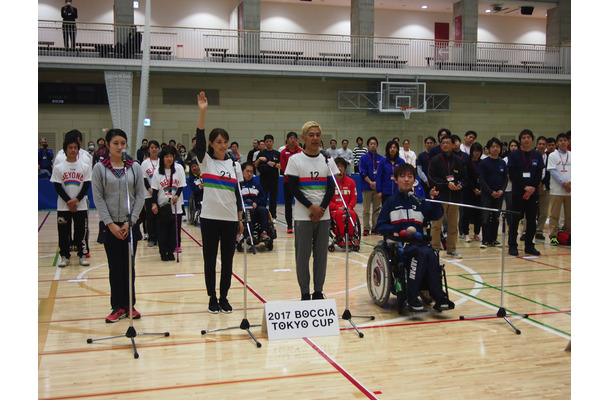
x=396, y=96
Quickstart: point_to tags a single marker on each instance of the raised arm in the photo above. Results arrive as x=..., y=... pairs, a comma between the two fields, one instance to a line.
x=202, y=102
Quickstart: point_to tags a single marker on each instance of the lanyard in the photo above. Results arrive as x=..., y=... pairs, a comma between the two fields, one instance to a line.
x=171, y=181
x=563, y=164
x=476, y=168
x=527, y=164
x=446, y=165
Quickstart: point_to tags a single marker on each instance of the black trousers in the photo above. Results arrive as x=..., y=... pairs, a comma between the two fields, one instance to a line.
x=69, y=32
x=288, y=197
x=470, y=215
x=270, y=187
x=151, y=221
x=213, y=232
x=490, y=220
x=65, y=220
x=117, y=252
x=422, y=271
x=529, y=208
x=166, y=234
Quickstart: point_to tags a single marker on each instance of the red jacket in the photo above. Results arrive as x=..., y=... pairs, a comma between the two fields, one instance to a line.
x=284, y=156
x=348, y=190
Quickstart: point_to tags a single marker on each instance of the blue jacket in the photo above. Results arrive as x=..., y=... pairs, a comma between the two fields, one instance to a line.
x=399, y=212
x=369, y=164
x=385, y=176
x=253, y=193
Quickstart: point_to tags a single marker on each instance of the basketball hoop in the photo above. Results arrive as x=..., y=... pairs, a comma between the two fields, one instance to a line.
x=407, y=110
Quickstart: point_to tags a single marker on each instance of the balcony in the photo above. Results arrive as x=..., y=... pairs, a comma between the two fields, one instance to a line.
x=104, y=46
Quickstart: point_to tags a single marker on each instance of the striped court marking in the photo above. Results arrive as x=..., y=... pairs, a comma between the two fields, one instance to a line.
x=44, y=220
x=336, y=365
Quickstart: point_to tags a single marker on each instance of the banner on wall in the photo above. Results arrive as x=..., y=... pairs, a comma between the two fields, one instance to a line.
x=458, y=30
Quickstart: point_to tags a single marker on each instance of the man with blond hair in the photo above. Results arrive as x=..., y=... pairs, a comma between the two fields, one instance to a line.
x=310, y=181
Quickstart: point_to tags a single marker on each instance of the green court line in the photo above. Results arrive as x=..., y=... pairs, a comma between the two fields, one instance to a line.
x=519, y=285
x=512, y=294
x=509, y=272
x=513, y=312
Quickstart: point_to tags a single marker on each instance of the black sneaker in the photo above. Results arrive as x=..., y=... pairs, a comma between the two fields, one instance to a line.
x=540, y=236
x=444, y=304
x=225, y=307
x=305, y=296
x=414, y=304
x=513, y=251
x=213, y=307
x=317, y=296
x=531, y=250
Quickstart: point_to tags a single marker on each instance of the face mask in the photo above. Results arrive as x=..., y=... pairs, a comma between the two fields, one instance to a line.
x=68, y=4
x=91, y=147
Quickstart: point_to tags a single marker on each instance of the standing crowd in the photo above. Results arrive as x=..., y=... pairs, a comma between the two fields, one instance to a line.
x=529, y=176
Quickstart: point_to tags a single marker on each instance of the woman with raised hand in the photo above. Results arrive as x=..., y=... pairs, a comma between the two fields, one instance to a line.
x=221, y=208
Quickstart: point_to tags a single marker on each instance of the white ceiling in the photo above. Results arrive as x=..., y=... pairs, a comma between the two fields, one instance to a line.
x=510, y=8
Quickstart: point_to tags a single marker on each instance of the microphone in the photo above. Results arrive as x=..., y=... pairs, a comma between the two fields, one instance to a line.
x=324, y=154
x=417, y=199
x=124, y=156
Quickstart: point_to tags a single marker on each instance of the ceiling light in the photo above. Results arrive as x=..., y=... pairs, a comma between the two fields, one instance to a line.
x=488, y=10
x=424, y=6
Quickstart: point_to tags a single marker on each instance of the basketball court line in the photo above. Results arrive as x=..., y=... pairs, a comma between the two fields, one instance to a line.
x=338, y=367
x=200, y=385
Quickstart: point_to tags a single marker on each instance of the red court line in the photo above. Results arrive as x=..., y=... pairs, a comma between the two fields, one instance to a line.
x=346, y=374
x=541, y=263
x=192, y=386
x=343, y=372
x=44, y=220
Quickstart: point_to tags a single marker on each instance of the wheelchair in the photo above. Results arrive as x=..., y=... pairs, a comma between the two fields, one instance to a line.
x=353, y=240
x=193, y=211
x=386, y=275
x=257, y=231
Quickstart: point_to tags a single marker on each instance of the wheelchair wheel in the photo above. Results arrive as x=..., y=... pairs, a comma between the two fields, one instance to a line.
x=379, y=276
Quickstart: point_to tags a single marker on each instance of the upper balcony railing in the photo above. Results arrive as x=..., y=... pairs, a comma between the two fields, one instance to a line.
x=113, y=42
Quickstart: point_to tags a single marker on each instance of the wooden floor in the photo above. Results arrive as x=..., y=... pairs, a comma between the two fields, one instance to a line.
x=426, y=356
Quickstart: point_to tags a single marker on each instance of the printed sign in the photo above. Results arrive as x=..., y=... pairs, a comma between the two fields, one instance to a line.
x=299, y=319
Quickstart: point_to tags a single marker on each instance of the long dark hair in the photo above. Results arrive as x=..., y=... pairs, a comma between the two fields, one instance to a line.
x=166, y=151
x=387, y=150
x=214, y=133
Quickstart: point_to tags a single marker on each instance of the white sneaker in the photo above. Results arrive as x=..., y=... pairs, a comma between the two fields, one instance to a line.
x=467, y=239
x=83, y=261
x=454, y=254
x=477, y=238
x=63, y=262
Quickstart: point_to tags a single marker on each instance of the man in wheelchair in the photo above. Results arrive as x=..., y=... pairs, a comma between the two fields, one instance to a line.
x=254, y=199
x=401, y=219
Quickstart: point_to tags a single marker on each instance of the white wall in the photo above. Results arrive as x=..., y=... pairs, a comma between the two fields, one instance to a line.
x=303, y=18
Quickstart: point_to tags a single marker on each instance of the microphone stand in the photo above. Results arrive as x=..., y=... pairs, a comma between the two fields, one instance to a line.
x=501, y=310
x=347, y=315
x=245, y=324
x=176, y=223
x=131, y=330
